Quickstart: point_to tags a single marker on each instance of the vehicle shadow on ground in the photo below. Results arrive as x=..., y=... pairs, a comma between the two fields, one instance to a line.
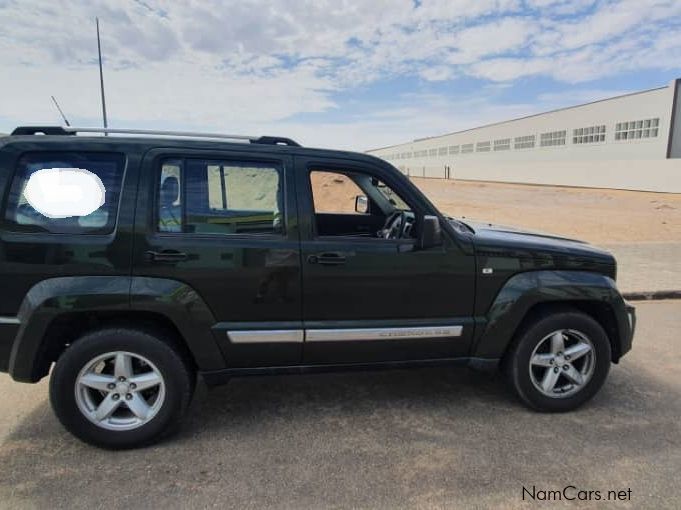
x=403, y=438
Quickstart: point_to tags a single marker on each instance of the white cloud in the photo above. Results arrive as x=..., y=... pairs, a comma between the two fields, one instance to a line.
x=256, y=64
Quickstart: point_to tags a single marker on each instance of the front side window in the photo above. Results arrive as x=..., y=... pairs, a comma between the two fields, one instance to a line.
x=348, y=203
x=20, y=215
x=220, y=197
x=334, y=192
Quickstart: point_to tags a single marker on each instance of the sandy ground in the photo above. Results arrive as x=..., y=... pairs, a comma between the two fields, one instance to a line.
x=594, y=215
x=427, y=438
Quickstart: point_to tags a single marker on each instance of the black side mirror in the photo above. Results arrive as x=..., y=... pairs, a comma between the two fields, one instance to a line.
x=361, y=204
x=431, y=233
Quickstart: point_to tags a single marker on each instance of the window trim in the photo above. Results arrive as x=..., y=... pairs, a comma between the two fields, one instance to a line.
x=14, y=228
x=276, y=164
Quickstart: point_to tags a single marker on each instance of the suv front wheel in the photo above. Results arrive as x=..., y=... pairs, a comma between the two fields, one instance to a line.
x=559, y=361
x=120, y=388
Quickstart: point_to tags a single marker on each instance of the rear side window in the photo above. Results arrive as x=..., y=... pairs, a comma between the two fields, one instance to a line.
x=220, y=197
x=21, y=216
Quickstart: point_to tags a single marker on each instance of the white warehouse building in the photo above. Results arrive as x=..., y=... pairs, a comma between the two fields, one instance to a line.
x=626, y=142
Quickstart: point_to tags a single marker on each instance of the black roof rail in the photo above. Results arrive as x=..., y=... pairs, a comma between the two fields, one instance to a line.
x=275, y=140
x=57, y=130
x=40, y=130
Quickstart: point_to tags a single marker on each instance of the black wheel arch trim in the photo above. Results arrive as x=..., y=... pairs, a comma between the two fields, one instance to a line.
x=51, y=298
x=524, y=291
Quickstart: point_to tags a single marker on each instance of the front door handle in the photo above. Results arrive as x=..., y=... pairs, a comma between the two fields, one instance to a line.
x=166, y=256
x=327, y=259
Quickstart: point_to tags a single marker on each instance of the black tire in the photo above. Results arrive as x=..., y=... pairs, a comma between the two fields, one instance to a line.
x=177, y=375
x=518, y=361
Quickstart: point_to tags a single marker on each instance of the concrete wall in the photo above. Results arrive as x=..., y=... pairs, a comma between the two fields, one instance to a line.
x=638, y=163
x=660, y=176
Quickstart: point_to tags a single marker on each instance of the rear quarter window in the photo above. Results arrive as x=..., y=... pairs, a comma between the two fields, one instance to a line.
x=20, y=216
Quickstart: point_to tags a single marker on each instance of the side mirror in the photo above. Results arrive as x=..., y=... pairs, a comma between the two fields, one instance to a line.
x=431, y=233
x=361, y=204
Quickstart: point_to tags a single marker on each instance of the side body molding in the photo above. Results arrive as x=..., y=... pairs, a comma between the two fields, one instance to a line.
x=525, y=290
x=55, y=297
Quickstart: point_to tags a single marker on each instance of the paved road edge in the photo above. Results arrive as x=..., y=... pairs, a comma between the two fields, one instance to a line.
x=652, y=295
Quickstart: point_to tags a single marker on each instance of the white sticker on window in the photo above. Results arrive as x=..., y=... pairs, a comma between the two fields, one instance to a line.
x=64, y=192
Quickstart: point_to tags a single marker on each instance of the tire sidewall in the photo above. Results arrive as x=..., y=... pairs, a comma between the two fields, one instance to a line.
x=529, y=340
x=167, y=361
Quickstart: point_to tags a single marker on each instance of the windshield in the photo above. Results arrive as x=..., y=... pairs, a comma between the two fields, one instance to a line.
x=392, y=197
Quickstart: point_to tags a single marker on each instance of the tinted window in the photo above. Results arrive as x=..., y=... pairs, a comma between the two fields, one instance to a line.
x=20, y=215
x=219, y=197
x=333, y=192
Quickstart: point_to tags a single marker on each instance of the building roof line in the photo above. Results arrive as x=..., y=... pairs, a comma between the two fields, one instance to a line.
x=416, y=140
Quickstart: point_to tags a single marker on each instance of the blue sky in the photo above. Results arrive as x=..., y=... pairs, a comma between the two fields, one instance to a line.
x=348, y=74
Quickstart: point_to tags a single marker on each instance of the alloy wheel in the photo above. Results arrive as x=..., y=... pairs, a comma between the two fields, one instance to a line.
x=562, y=363
x=120, y=391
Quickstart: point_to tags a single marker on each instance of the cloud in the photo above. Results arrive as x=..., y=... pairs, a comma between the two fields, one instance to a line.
x=218, y=65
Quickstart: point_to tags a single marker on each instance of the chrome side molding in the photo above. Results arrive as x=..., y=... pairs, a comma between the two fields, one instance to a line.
x=339, y=335
x=10, y=320
x=342, y=334
x=265, y=336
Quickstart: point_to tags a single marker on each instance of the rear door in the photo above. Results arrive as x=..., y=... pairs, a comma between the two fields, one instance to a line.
x=225, y=223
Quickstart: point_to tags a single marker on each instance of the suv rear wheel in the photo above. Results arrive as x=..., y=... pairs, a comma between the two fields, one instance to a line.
x=559, y=361
x=121, y=388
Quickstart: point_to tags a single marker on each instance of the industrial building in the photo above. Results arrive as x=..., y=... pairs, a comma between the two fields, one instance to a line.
x=625, y=142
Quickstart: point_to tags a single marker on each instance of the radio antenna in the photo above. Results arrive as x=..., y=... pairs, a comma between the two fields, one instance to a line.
x=60, y=112
x=101, y=76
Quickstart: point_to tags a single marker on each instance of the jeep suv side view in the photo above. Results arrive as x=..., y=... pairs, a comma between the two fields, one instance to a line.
x=219, y=256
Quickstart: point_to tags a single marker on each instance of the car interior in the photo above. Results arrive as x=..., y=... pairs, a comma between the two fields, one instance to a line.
x=352, y=204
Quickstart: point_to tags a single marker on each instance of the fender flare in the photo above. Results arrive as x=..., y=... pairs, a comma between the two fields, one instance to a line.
x=524, y=291
x=51, y=298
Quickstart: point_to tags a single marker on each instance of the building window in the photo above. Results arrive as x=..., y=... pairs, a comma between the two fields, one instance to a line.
x=502, y=145
x=591, y=134
x=648, y=128
x=553, y=138
x=432, y=152
x=442, y=151
x=524, y=142
x=482, y=147
x=466, y=148
x=453, y=149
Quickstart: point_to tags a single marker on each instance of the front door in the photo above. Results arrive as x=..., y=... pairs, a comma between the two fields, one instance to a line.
x=224, y=224
x=376, y=296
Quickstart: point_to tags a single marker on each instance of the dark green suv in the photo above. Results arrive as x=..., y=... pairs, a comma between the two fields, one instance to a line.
x=226, y=256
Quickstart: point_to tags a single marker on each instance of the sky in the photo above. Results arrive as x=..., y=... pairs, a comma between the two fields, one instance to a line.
x=346, y=74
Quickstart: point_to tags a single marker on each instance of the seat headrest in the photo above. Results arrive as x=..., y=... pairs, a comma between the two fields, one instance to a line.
x=170, y=190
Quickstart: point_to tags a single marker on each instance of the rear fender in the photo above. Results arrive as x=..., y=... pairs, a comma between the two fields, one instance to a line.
x=55, y=297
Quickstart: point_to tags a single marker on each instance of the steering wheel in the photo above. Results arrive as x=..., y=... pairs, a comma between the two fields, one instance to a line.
x=394, y=226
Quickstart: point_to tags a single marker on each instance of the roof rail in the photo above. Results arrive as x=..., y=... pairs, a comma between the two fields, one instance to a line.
x=58, y=130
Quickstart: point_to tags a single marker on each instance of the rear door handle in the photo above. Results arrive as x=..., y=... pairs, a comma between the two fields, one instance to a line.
x=166, y=256
x=327, y=259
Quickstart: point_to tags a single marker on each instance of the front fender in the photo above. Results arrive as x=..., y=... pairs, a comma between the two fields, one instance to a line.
x=523, y=291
